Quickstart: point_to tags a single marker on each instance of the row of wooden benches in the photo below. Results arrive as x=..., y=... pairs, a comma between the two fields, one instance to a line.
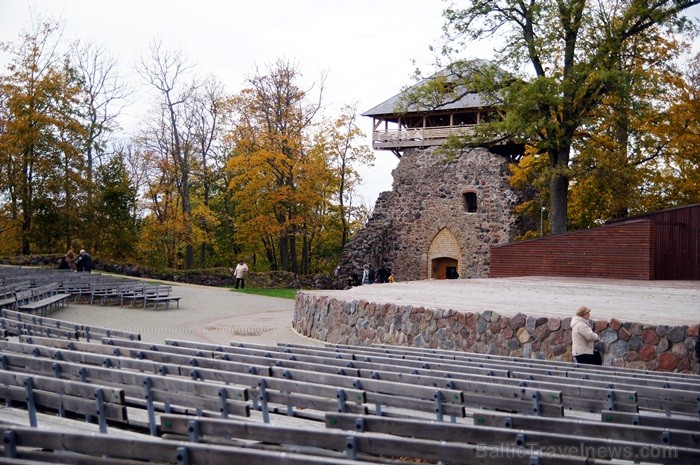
x=444, y=390
x=479, y=386
x=38, y=300
x=353, y=439
x=186, y=386
x=579, y=388
x=48, y=297
x=17, y=323
x=120, y=293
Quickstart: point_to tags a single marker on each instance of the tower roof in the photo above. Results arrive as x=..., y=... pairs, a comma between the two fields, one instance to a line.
x=458, y=98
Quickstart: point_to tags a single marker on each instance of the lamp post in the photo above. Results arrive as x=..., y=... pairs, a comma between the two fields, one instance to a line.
x=541, y=220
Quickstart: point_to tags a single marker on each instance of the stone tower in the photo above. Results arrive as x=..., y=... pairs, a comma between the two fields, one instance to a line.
x=443, y=213
x=446, y=207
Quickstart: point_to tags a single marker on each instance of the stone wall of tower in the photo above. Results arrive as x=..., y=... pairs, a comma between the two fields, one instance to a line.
x=428, y=195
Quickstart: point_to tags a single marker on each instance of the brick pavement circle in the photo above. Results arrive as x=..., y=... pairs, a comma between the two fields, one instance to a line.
x=206, y=314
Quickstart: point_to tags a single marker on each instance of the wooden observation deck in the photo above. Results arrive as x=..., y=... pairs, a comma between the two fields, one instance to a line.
x=402, y=123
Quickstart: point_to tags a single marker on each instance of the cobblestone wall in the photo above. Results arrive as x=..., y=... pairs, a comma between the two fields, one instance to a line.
x=427, y=197
x=623, y=344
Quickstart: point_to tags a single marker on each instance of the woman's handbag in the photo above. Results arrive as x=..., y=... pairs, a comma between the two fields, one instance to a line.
x=597, y=358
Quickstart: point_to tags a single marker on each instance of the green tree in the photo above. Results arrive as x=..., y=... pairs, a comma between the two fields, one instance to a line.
x=115, y=224
x=573, y=49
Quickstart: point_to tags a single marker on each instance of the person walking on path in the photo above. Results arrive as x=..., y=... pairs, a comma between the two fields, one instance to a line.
x=239, y=273
x=582, y=338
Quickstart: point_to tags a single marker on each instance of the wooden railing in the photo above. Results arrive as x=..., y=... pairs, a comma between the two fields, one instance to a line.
x=418, y=137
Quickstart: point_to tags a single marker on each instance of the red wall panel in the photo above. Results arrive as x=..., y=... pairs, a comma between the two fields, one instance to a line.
x=619, y=251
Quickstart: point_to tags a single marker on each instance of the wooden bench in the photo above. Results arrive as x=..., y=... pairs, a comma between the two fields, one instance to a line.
x=414, y=398
x=106, y=290
x=650, y=395
x=77, y=289
x=669, y=392
x=354, y=445
x=532, y=365
x=136, y=293
x=142, y=389
x=530, y=443
x=390, y=392
x=36, y=446
x=7, y=293
x=21, y=298
x=583, y=388
x=44, y=298
x=161, y=294
x=280, y=395
x=654, y=421
x=133, y=293
x=18, y=328
x=58, y=326
x=592, y=429
x=476, y=391
x=49, y=393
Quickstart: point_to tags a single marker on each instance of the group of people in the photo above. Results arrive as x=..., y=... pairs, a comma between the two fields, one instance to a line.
x=82, y=263
x=383, y=275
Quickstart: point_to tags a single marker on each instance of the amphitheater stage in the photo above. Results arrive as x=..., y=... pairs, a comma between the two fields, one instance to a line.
x=648, y=302
x=638, y=321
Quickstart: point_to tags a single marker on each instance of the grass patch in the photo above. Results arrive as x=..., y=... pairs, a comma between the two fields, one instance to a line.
x=279, y=293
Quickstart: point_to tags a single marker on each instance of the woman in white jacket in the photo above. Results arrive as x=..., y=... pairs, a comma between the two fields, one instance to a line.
x=583, y=337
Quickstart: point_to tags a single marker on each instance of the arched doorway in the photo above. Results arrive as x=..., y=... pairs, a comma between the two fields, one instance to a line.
x=444, y=255
x=444, y=267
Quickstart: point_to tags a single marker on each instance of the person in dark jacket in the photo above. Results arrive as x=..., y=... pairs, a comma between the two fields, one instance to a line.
x=63, y=264
x=383, y=275
x=84, y=262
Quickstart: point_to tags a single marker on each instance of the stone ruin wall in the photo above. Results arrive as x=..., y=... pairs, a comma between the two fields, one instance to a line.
x=426, y=197
x=623, y=344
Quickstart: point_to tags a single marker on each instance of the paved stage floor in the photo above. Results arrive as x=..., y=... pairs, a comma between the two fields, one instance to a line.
x=653, y=302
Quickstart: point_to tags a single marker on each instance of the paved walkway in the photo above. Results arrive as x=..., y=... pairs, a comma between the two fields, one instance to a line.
x=220, y=316
x=206, y=314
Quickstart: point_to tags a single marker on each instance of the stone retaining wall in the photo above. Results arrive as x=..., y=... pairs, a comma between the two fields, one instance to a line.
x=623, y=344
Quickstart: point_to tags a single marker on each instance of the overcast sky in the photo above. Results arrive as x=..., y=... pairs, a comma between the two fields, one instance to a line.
x=367, y=47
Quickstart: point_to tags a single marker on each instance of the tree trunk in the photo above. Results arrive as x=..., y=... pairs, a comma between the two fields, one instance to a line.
x=293, y=262
x=284, y=253
x=558, y=198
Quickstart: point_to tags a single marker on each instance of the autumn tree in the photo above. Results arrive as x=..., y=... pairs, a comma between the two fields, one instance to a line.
x=166, y=72
x=205, y=114
x=347, y=151
x=677, y=179
x=625, y=142
x=280, y=179
x=42, y=132
x=572, y=49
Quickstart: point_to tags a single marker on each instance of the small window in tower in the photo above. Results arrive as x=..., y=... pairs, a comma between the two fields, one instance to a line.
x=469, y=201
